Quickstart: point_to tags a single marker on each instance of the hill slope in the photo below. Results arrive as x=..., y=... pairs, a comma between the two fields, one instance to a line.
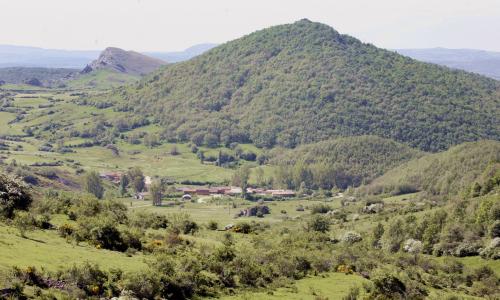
x=486, y=63
x=341, y=162
x=444, y=173
x=304, y=82
x=122, y=61
x=47, y=76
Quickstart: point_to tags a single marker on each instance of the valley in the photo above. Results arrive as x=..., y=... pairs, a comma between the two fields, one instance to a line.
x=387, y=172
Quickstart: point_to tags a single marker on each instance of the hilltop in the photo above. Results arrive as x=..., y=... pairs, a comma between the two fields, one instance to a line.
x=305, y=82
x=129, y=62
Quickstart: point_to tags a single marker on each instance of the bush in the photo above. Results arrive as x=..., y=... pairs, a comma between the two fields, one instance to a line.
x=388, y=287
x=101, y=232
x=13, y=196
x=89, y=278
x=212, y=225
x=65, y=230
x=318, y=223
x=24, y=221
x=144, y=285
x=351, y=237
x=320, y=209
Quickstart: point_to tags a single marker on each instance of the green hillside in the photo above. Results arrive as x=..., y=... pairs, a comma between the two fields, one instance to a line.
x=450, y=172
x=46, y=76
x=304, y=82
x=101, y=79
x=341, y=162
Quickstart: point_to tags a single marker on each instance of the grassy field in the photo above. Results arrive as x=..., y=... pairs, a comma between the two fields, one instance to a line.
x=330, y=286
x=5, y=127
x=45, y=249
x=101, y=79
x=222, y=211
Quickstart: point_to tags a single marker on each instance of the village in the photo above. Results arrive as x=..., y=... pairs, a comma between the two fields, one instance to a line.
x=188, y=192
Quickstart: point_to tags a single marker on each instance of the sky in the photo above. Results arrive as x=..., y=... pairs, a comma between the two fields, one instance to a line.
x=170, y=25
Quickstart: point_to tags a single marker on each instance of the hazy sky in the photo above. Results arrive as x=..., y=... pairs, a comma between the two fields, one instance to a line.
x=166, y=25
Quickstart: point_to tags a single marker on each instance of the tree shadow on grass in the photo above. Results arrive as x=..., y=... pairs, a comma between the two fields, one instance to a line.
x=34, y=240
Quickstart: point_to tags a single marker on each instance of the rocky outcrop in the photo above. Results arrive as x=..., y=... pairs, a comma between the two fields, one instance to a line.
x=122, y=61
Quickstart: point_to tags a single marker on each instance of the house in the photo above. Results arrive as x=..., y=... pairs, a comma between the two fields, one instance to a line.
x=281, y=193
x=141, y=196
x=114, y=177
x=234, y=191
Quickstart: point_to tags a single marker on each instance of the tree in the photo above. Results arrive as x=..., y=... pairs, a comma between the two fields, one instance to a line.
x=378, y=232
x=240, y=179
x=114, y=150
x=123, y=185
x=318, y=223
x=211, y=140
x=259, y=175
x=394, y=236
x=201, y=156
x=24, y=221
x=174, y=151
x=93, y=184
x=137, y=178
x=13, y=196
x=156, y=190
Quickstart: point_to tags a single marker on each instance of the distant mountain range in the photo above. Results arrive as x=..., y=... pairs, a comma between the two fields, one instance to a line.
x=22, y=56
x=482, y=62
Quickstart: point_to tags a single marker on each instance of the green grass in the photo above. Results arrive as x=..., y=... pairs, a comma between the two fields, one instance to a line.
x=101, y=79
x=223, y=212
x=45, y=249
x=331, y=286
x=5, y=127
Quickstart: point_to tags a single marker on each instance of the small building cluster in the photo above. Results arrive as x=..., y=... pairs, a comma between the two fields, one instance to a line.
x=234, y=191
x=114, y=177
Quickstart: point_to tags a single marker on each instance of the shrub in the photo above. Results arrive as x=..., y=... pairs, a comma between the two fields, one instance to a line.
x=89, y=278
x=212, y=225
x=351, y=237
x=413, y=246
x=65, y=230
x=101, y=232
x=320, y=209
x=24, y=221
x=144, y=285
x=13, y=196
x=388, y=287
x=318, y=223
x=182, y=223
x=243, y=227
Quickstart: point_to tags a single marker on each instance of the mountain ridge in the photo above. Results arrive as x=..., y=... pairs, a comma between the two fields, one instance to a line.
x=122, y=61
x=305, y=82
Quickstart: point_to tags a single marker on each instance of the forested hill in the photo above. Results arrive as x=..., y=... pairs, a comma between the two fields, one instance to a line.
x=304, y=82
x=342, y=162
x=447, y=173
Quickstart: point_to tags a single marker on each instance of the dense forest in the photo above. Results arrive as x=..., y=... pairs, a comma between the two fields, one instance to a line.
x=304, y=82
x=459, y=170
x=340, y=163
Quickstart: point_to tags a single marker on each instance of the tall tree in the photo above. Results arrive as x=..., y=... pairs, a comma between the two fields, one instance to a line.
x=156, y=190
x=123, y=185
x=93, y=184
x=137, y=178
x=240, y=179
